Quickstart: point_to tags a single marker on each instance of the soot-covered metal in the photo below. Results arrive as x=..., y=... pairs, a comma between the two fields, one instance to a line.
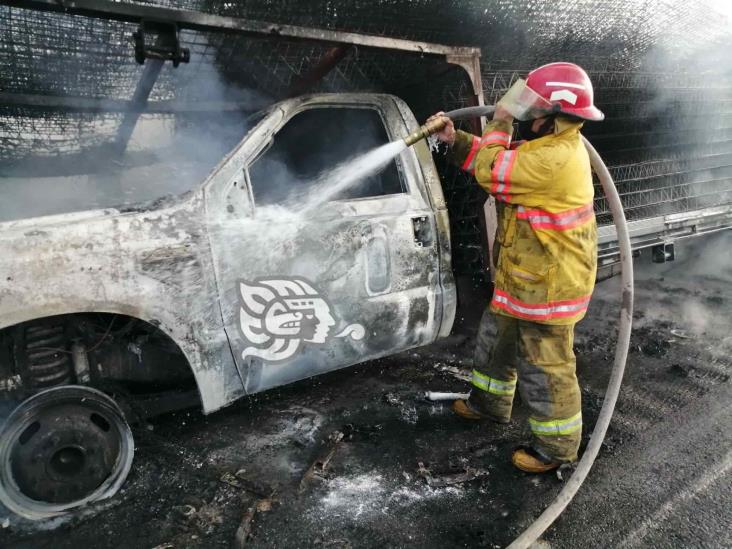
x=301, y=291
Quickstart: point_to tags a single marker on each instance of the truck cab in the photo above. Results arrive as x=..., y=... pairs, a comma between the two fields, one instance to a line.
x=350, y=273
x=266, y=273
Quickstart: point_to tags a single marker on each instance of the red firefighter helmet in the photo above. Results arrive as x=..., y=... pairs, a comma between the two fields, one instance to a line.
x=567, y=87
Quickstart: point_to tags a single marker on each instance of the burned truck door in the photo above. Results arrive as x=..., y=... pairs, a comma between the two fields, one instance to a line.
x=315, y=274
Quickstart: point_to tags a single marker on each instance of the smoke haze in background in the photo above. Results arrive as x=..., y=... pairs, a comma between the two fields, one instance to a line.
x=167, y=154
x=699, y=106
x=671, y=291
x=171, y=154
x=695, y=105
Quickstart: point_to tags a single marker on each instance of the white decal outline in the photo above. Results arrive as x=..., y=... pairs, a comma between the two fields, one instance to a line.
x=565, y=85
x=566, y=95
x=279, y=315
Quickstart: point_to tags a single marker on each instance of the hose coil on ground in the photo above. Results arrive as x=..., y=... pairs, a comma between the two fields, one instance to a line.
x=550, y=514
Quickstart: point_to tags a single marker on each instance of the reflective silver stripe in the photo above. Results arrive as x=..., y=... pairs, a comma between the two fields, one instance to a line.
x=495, y=137
x=478, y=381
x=506, y=157
x=492, y=385
x=557, y=426
x=504, y=386
x=541, y=311
x=546, y=217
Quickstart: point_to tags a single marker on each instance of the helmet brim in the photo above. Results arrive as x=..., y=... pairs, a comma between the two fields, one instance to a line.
x=586, y=113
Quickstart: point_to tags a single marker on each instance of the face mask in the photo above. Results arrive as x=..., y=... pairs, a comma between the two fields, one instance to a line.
x=525, y=131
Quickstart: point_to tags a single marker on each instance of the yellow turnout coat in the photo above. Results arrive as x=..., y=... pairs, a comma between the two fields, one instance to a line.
x=547, y=235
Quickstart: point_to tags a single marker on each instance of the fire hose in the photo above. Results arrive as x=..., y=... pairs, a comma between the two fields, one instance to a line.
x=550, y=514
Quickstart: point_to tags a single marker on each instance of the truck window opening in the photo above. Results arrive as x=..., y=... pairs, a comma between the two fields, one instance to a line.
x=314, y=141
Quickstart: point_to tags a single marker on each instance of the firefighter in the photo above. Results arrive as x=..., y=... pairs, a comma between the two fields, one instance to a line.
x=546, y=246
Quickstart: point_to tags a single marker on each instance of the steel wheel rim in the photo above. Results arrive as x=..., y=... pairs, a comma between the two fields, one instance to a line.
x=13, y=497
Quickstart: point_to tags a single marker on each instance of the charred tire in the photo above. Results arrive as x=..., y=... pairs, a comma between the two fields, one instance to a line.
x=63, y=448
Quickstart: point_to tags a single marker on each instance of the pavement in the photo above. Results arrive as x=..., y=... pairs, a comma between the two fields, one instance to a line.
x=662, y=478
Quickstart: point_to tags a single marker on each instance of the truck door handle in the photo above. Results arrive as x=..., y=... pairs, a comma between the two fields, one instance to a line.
x=422, y=231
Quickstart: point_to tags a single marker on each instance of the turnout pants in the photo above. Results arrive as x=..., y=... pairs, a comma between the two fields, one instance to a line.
x=540, y=358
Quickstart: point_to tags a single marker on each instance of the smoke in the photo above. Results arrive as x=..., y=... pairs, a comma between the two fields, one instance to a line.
x=688, y=81
x=685, y=103
x=325, y=154
x=693, y=290
x=173, y=153
x=686, y=298
x=344, y=176
x=319, y=156
x=167, y=154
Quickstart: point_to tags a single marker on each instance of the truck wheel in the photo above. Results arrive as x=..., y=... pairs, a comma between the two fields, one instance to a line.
x=485, y=338
x=62, y=448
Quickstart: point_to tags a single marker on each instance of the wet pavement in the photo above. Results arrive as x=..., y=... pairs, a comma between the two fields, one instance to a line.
x=662, y=478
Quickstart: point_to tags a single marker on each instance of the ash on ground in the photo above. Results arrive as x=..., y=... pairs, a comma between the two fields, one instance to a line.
x=195, y=477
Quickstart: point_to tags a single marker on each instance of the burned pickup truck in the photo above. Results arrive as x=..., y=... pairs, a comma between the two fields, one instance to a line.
x=110, y=314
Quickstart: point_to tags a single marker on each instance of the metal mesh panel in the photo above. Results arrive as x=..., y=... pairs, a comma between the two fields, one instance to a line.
x=667, y=138
x=25, y=131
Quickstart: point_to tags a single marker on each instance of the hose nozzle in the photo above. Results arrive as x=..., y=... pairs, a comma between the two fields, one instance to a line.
x=438, y=124
x=425, y=131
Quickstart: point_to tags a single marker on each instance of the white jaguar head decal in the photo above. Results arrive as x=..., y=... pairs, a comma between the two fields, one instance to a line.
x=278, y=315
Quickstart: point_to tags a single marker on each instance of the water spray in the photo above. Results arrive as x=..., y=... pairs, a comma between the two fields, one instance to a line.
x=346, y=174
